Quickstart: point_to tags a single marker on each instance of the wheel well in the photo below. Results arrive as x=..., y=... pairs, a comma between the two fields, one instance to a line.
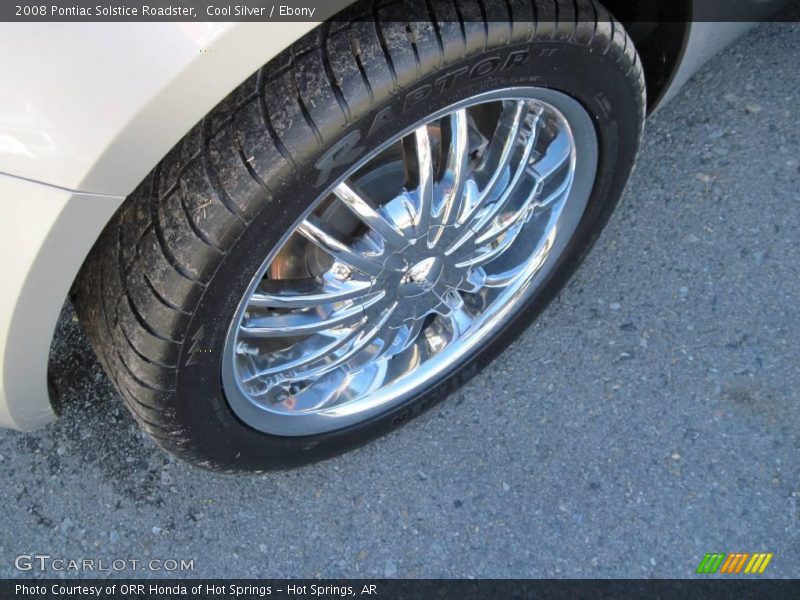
x=659, y=30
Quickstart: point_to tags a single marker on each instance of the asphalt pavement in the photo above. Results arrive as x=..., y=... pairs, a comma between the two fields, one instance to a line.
x=650, y=416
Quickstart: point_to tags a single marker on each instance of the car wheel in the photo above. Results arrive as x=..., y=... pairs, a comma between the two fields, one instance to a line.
x=361, y=227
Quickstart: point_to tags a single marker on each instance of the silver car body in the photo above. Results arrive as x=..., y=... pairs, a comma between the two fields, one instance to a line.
x=86, y=111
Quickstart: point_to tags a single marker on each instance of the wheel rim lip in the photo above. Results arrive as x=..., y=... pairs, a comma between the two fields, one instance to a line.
x=498, y=314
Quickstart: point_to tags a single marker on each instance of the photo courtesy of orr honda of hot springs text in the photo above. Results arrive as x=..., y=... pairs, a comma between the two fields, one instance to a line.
x=286, y=239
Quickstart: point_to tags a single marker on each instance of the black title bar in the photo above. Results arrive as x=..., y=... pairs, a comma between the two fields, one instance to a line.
x=406, y=10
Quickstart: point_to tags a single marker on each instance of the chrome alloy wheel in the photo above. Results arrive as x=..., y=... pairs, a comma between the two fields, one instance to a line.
x=410, y=261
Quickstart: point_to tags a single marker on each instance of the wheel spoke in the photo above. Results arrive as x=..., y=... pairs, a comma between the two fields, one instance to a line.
x=459, y=321
x=406, y=335
x=499, y=154
x=373, y=219
x=366, y=337
x=455, y=175
x=499, y=280
x=313, y=232
x=557, y=154
x=503, y=279
x=414, y=329
x=523, y=213
x=296, y=299
x=299, y=324
x=424, y=162
x=337, y=372
x=556, y=194
x=487, y=254
x=484, y=218
x=304, y=355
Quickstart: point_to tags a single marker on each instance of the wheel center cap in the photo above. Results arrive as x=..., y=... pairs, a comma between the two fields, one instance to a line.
x=421, y=277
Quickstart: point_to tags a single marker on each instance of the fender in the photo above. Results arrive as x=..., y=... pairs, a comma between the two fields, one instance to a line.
x=102, y=115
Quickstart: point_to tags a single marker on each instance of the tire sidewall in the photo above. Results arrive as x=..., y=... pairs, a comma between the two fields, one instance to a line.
x=594, y=79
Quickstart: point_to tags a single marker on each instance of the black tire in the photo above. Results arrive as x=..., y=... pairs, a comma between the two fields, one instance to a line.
x=157, y=294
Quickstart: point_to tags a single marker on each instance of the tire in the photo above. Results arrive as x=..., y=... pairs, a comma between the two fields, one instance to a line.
x=159, y=290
